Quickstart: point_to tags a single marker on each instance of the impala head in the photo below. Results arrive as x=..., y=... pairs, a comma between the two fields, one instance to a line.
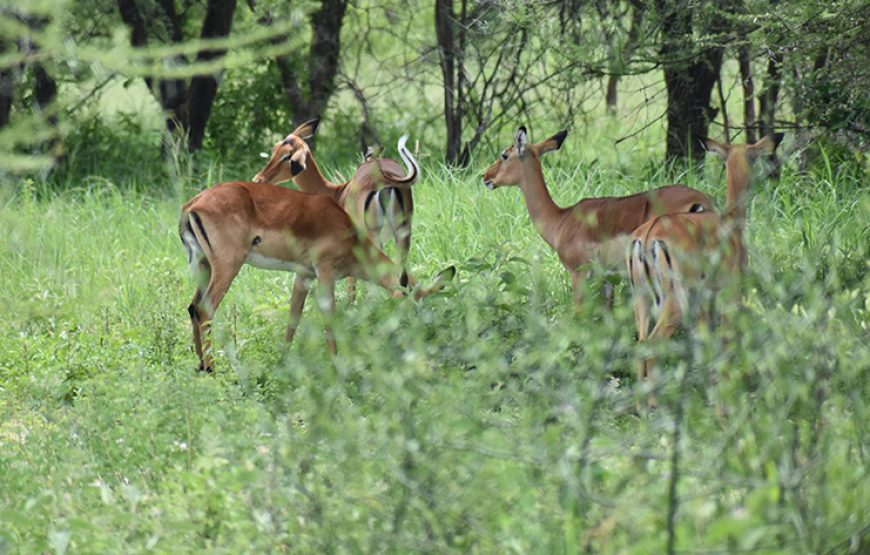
x=507, y=170
x=289, y=156
x=741, y=156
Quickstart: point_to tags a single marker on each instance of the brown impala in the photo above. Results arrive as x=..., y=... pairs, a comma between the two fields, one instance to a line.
x=593, y=231
x=377, y=197
x=676, y=253
x=275, y=228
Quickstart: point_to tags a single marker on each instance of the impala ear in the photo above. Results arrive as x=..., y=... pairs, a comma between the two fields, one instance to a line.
x=766, y=145
x=553, y=143
x=297, y=162
x=521, y=141
x=307, y=129
x=719, y=149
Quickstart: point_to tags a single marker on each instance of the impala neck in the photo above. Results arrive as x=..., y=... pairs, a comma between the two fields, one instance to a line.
x=543, y=211
x=738, y=176
x=311, y=180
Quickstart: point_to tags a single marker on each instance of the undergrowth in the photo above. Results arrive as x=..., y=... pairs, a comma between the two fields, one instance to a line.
x=488, y=418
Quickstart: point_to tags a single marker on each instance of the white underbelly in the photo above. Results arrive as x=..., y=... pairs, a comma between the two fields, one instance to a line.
x=266, y=263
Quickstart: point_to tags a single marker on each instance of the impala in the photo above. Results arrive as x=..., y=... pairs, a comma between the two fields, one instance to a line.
x=275, y=228
x=676, y=255
x=595, y=230
x=377, y=197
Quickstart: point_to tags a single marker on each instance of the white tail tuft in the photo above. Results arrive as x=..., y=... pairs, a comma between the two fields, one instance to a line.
x=411, y=167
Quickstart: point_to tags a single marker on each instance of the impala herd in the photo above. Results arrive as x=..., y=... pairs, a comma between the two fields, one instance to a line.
x=676, y=250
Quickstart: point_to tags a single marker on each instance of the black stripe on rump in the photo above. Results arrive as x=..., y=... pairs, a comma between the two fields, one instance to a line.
x=369, y=199
x=382, y=200
x=649, y=278
x=398, y=193
x=634, y=248
x=198, y=222
x=664, y=249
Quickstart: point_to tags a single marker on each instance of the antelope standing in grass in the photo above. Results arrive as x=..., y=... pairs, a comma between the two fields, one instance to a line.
x=377, y=197
x=675, y=256
x=593, y=231
x=275, y=228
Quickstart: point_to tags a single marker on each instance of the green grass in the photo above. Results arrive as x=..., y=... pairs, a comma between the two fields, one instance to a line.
x=488, y=418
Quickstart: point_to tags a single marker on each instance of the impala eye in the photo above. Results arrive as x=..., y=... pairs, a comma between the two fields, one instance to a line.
x=286, y=157
x=504, y=156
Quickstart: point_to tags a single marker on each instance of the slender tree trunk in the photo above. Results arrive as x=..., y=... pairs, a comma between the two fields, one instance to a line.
x=172, y=94
x=770, y=94
x=768, y=97
x=449, y=58
x=638, y=8
x=7, y=86
x=749, y=118
x=45, y=92
x=323, y=63
x=723, y=107
x=203, y=88
x=368, y=135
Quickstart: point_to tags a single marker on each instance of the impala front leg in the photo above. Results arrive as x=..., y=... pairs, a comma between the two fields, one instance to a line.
x=297, y=303
x=578, y=280
x=608, y=294
x=326, y=292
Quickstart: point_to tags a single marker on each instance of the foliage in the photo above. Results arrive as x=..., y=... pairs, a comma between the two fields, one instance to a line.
x=487, y=418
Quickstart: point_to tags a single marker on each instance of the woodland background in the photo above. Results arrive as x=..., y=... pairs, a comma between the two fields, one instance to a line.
x=488, y=418
x=79, y=78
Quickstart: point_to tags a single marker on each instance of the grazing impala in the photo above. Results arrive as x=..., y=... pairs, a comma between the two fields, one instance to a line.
x=676, y=255
x=594, y=230
x=275, y=228
x=377, y=197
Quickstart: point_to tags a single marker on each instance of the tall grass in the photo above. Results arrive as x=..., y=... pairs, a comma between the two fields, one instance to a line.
x=488, y=418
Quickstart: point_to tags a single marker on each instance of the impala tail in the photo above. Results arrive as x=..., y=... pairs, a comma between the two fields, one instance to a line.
x=412, y=169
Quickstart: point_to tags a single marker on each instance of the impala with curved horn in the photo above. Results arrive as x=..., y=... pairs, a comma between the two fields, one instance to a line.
x=674, y=255
x=595, y=230
x=275, y=228
x=377, y=198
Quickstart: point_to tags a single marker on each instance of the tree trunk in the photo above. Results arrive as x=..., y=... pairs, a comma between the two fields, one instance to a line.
x=689, y=79
x=203, y=88
x=768, y=97
x=44, y=92
x=444, y=18
x=749, y=118
x=323, y=63
x=7, y=86
x=770, y=94
x=186, y=109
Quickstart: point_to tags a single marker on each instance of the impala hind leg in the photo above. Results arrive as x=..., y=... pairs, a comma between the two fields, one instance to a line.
x=201, y=273
x=297, y=303
x=326, y=296
x=578, y=281
x=403, y=246
x=641, y=321
x=665, y=327
x=203, y=309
